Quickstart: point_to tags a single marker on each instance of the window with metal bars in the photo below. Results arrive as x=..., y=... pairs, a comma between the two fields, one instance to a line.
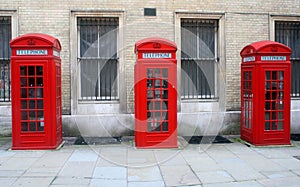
x=288, y=33
x=98, y=59
x=198, y=56
x=5, y=37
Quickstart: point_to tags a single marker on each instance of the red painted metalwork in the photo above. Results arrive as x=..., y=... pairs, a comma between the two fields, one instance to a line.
x=265, y=93
x=155, y=87
x=36, y=92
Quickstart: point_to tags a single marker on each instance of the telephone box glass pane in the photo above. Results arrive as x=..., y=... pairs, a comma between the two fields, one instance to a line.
x=24, y=126
x=23, y=82
x=23, y=70
x=268, y=77
x=39, y=70
x=165, y=73
x=31, y=70
x=267, y=125
x=157, y=95
x=280, y=125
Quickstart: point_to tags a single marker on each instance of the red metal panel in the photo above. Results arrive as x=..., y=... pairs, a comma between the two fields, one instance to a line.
x=270, y=66
x=36, y=101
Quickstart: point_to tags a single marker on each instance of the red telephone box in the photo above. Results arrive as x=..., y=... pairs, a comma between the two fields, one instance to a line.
x=155, y=86
x=265, y=93
x=36, y=92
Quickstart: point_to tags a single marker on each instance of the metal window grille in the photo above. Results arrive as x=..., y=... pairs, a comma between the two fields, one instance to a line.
x=288, y=33
x=198, y=56
x=5, y=37
x=98, y=60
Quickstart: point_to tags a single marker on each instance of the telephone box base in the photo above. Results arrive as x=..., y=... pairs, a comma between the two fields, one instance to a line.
x=251, y=144
x=39, y=147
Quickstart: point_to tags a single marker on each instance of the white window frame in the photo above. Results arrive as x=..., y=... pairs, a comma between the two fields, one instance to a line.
x=75, y=70
x=14, y=32
x=219, y=50
x=283, y=18
x=79, y=69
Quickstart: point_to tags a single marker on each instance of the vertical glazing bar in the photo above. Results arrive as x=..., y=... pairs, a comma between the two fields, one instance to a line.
x=100, y=60
x=110, y=79
x=289, y=30
x=98, y=94
x=2, y=37
x=85, y=78
x=9, y=81
x=101, y=78
x=183, y=38
x=92, y=38
x=109, y=56
x=197, y=68
x=296, y=81
x=296, y=48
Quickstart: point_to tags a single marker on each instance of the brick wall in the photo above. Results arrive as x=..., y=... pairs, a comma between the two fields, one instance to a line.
x=245, y=22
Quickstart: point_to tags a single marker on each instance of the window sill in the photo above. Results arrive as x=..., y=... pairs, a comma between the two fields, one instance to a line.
x=200, y=100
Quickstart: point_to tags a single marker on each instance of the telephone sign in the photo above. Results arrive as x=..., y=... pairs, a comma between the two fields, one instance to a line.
x=157, y=55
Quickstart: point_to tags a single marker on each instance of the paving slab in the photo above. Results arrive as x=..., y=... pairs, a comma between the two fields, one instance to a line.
x=279, y=182
x=112, y=160
x=108, y=183
x=29, y=153
x=42, y=172
x=193, y=154
x=11, y=173
x=219, y=152
x=18, y=163
x=33, y=181
x=215, y=177
x=235, y=184
x=112, y=156
x=240, y=149
x=239, y=169
x=77, y=169
x=178, y=175
x=261, y=163
x=83, y=155
x=7, y=181
x=114, y=173
x=297, y=172
x=68, y=185
x=5, y=153
x=271, y=152
x=72, y=181
x=289, y=163
x=167, y=158
x=52, y=159
x=204, y=164
x=278, y=174
x=141, y=158
x=144, y=174
x=147, y=184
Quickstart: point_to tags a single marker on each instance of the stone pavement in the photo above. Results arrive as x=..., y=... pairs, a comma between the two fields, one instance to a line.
x=118, y=165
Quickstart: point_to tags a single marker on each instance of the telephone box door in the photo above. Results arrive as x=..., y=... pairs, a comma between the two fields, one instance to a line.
x=276, y=105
